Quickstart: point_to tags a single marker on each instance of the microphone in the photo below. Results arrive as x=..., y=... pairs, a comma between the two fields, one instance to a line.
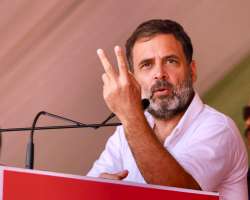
x=145, y=103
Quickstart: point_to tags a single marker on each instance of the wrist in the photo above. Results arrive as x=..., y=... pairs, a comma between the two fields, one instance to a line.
x=133, y=118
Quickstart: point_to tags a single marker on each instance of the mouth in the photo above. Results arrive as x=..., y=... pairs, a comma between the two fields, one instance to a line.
x=161, y=92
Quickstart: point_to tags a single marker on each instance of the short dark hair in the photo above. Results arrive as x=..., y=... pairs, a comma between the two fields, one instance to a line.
x=158, y=26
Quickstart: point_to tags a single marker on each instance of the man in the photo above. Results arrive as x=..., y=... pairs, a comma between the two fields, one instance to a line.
x=246, y=117
x=179, y=141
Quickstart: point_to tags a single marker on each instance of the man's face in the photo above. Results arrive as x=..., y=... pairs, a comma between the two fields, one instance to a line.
x=161, y=68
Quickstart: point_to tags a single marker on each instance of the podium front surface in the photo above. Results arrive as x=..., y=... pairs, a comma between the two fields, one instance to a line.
x=23, y=184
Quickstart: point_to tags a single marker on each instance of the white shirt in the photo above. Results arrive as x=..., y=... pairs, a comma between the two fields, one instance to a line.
x=206, y=143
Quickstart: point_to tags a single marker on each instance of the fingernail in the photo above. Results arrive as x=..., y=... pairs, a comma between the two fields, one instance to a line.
x=99, y=51
x=117, y=48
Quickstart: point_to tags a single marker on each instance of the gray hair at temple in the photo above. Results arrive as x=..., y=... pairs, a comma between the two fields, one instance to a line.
x=154, y=27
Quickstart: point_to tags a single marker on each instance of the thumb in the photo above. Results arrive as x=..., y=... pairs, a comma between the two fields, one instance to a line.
x=122, y=174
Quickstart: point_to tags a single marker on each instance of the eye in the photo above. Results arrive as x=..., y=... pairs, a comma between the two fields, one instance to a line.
x=171, y=61
x=146, y=65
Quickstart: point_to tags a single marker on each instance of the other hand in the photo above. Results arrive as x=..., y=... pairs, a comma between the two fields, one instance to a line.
x=115, y=176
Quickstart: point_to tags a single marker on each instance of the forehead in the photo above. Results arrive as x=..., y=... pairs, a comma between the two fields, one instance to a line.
x=159, y=45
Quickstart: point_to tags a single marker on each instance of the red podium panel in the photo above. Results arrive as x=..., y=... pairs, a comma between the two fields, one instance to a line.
x=33, y=184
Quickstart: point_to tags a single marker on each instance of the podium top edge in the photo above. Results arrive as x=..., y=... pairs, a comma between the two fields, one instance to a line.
x=128, y=183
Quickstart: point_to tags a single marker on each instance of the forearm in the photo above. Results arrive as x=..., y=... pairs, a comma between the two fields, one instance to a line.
x=155, y=163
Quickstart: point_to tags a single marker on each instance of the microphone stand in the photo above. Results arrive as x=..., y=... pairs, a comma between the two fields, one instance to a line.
x=30, y=147
x=58, y=127
x=29, y=164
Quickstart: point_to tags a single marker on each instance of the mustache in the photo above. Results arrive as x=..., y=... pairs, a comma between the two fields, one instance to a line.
x=161, y=85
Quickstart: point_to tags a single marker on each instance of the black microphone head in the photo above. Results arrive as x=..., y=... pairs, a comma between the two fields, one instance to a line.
x=145, y=103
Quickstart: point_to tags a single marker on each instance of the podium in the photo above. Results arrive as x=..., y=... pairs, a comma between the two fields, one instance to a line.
x=24, y=184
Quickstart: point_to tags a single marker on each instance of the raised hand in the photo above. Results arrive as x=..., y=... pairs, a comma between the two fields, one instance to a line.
x=121, y=91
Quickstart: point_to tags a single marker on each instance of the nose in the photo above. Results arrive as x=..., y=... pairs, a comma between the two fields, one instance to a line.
x=160, y=72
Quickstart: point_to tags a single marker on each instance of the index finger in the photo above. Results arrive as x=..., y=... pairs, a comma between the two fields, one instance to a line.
x=108, y=68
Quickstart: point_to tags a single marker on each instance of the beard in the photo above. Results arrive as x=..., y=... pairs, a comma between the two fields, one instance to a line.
x=175, y=102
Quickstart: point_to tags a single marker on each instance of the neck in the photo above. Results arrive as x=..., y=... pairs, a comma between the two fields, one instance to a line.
x=164, y=127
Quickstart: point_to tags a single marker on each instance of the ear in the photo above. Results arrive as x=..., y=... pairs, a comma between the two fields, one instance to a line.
x=193, y=70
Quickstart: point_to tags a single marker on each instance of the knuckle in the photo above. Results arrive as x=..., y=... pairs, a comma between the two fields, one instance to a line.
x=105, y=77
x=105, y=96
x=122, y=65
x=125, y=83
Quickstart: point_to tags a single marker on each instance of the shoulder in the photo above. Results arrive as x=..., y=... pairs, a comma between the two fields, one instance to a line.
x=216, y=131
x=220, y=132
x=211, y=119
